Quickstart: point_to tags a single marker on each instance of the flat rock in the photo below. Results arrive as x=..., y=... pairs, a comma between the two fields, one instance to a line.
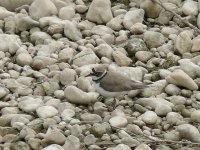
x=99, y=11
x=90, y=117
x=13, y=4
x=178, y=76
x=195, y=116
x=190, y=8
x=72, y=143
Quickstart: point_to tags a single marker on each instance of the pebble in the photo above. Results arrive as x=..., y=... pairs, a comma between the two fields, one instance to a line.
x=46, y=111
x=132, y=17
x=30, y=104
x=174, y=118
x=172, y=89
x=118, y=121
x=149, y=117
x=99, y=11
x=90, y=139
x=72, y=143
x=90, y=117
x=122, y=146
x=77, y=96
x=121, y=59
x=38, y=10
x=195, y=116
x=189, y=132
x=143, y=56
x=67, y=76
x=154, y=39
x=163, y=110
x=190, y=8
x=54, y=136
x=177, y=76
x=142, y=147
x=183, y=43
x=66, y=13
x=53, y=147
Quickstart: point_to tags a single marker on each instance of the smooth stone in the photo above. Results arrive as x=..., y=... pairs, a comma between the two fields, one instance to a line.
x=41, y=62
x=90, y=139
x=153, y=102
x=99, y=11
x=178, y=76
x=72, y=143
x=101, y=30
x=174, y=118
x=134, y=129
x=29, y=104
x=121, y=59
x=77, y=96
x=71, y=31
x=3, y=92
x=54, y=136
x=149, y=117
x=90, y=117
x=132, y=17
x=196, y=44
x=9, y=110
x=67, y=76
x=138, y=28
x=38, y=9
x=143, y=56
x=189, y=132
x=66, y=13
x=151, y=9
x=67, y=114
x=163, y=110
x=154, y=39
x=172, y=89
x=190, y=8
x=183, y=43
x=46, y=111
x=24, y=59
x=178, y=100
x=122, y=147
x=166, y=31
x=104, y=50
x=13, y=4
x=66, y=54
x=190, y=68
x=116, y=23
x=118, y=121
x=53, y=147
x=195, y=116
x=143, y=147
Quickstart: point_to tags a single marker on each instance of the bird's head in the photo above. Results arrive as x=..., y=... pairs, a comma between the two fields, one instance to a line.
x=97, y=75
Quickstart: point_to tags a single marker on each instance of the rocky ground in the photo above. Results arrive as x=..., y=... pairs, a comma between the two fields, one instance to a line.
x=47, y=47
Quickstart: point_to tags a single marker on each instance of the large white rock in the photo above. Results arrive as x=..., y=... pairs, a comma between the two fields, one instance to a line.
x=149, y=117
x=189, y=132
x=178, y=76
x=183, y=42
x=46, y=111
x=99, y=11
x=29, y=104
x=66, y=13
x=72, y=143
x=24, y=59
x=195, y=116
x=67, y=76
x=118, y=121
x=77, y=96
x=190, y=8
x=53, y=147
x=132, y=17
x=44, y=8
x=190, y=68
x=11, y=5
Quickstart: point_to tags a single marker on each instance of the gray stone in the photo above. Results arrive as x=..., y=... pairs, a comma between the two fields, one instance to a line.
x=46, y=111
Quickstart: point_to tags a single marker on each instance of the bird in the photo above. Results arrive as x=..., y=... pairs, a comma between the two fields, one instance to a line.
x=111, y=84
